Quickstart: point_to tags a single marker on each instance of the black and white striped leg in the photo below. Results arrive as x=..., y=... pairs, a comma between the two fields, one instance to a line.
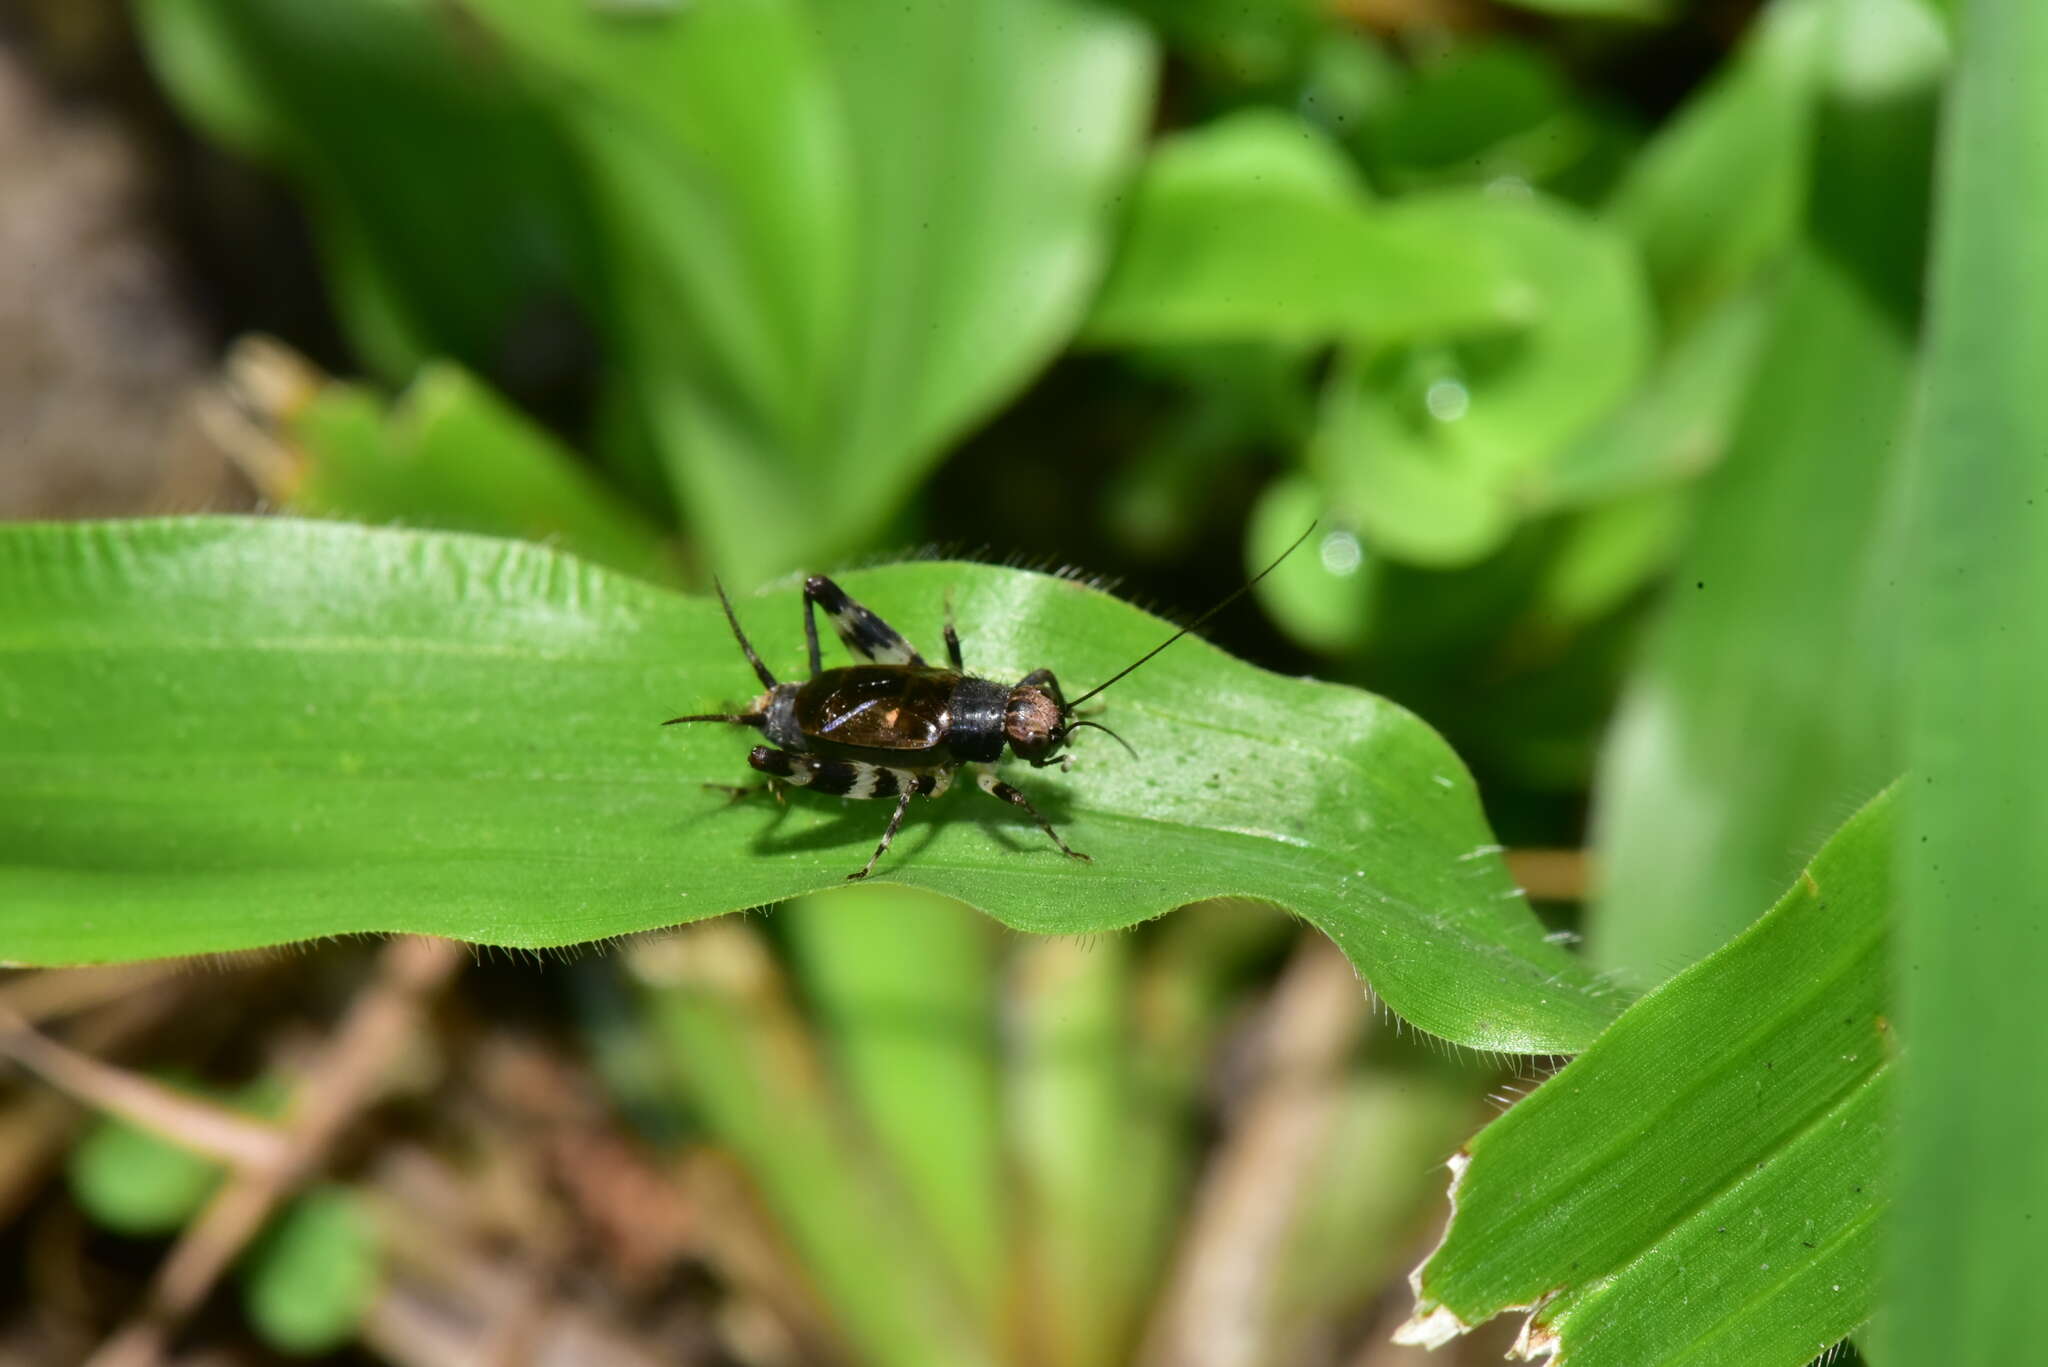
x=866, y=636
x=988, y=782
x=853, y=779
x=888, y=834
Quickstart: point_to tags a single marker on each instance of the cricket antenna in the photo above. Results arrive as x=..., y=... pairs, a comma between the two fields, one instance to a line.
x=1076, y=726
x=1235, y=594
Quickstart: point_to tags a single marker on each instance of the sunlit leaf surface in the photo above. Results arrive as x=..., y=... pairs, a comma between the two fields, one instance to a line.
x=225, y=732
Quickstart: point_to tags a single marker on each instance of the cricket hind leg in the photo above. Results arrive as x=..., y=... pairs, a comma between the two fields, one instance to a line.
x=987, y=781
x=866, y=637
x=855, y=779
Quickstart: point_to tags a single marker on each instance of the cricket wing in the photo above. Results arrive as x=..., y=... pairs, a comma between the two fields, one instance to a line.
x=878, y=707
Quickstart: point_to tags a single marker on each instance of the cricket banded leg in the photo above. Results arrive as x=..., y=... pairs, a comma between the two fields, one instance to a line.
x=888, y=834
x=855, y=779
x=865, y=636
x=987, y=781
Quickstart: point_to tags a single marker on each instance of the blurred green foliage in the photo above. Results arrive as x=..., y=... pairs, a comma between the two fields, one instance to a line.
x=1589, y=331
x=308, y=1278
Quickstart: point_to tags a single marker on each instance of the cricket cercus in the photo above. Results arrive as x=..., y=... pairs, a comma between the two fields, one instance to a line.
x=895, y=726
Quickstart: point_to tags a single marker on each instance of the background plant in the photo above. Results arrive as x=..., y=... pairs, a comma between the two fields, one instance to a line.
x=1647, y=471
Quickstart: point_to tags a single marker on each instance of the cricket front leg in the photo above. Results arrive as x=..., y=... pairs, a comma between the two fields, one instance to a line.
x=987, y=781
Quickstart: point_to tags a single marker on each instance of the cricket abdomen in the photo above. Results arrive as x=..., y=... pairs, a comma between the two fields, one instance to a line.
x=902, y=715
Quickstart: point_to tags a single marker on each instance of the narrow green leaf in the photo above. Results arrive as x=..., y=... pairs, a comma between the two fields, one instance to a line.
x=1707, y=1183
x=1188, y=978
x=1760, y=712
x=1721, y=189
x=312, y=1276
x=1974, y=1211
x=750, y=1068
x=1071, y=1105
x=226, y=732
x=904, y=986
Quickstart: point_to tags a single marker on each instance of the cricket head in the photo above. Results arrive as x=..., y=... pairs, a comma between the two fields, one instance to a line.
x=1034, y=724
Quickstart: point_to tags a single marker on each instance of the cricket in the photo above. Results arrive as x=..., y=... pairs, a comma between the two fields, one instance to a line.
x=895, y=726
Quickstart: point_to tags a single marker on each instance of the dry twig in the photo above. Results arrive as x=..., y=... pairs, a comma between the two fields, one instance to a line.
x=338, y=1085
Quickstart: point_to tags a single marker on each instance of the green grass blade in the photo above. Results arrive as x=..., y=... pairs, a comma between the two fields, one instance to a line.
x=227, y=732
x=1974, y=1207
x=904, y=985
x=723, y=1013
x=1718, y=193
x=1707, y=1183
x=1071, y=1111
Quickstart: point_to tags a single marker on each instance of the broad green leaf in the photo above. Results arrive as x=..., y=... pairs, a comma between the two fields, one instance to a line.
x=442, y=197
x=1761, y=709
x=1253, y=228
x=449, y=453
x=230, y=732
x=839, y=233
x=308, y=1282
x=904, y=988
x=1708, y=1183
x=1435, y=455
x=1974, y=1207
